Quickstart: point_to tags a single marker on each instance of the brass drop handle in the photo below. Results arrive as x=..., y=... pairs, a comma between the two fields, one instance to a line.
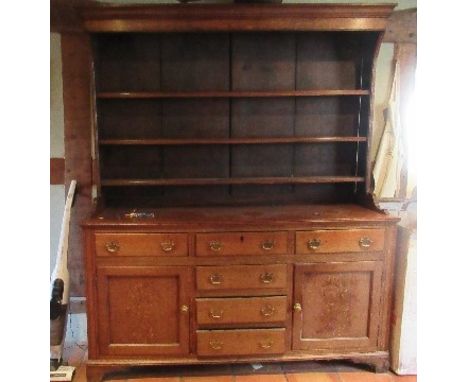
x=184, y=309
x=168, y=246
x=215, y=246
x=313, y=244
x=297, y=307
x=266, y=278
x=265, y=345
x=268, y=245
x=215, y=279
x=268, y=311
x=365, y=242
x=216, y=345
x=216, y=314
x=112, y=246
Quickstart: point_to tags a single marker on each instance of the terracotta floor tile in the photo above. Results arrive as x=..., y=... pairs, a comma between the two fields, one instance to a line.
x=359, y=376
x=405, y=378
x=313, y=377
x=309, y=366
x=379, y=377
x=212, y=378
x=155, y=379
x=365, y=376
x=261, y=378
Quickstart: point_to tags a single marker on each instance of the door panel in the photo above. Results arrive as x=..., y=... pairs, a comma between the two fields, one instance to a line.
x=338, y=305
x=140, y=310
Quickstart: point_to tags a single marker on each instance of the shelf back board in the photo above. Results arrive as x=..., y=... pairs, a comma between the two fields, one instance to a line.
x=275, y=111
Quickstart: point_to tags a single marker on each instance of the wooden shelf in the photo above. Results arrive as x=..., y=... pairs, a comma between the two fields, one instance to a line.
x=231, y=181
x=226, y=141
x=234, y=94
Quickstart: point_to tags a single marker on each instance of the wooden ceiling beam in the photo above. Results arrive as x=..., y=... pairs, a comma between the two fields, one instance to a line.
x=402, y=27
x=64, y=15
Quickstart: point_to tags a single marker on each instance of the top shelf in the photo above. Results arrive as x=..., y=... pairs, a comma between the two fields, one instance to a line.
x=234, y=94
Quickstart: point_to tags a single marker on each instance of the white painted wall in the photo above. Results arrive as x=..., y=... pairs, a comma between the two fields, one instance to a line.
x=407, y=357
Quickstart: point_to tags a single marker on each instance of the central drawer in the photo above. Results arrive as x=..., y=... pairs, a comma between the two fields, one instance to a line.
x=214, y=312
x=241, y=243
x=241, y=342
x=241, y=277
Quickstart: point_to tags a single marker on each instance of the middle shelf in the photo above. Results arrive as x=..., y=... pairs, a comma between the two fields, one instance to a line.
x=232, y=94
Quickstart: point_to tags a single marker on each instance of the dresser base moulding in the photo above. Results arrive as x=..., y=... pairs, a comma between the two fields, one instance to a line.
x=97, y=370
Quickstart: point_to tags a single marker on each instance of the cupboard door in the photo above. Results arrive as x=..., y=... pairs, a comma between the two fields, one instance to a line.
x=143, y=310
x=337, y=305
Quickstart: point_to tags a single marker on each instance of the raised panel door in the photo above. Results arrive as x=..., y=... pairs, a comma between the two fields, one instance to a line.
x=337, y=305
x=143, y=310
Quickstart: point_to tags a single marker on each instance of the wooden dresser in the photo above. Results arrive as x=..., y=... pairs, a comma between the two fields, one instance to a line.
x=234, y=219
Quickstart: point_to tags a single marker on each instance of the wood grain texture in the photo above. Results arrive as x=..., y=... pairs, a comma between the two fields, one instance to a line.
x=65, y=17
x=57, y=171
x=275, y=116
x=216, y=343
x=238, y=17
x=224, y=88
x=253, y=217
x=234, y=94
x=241, y=243
x=141, y=244
x=402, y=27
x=229, y=278
x=228, y=181
x=76, y=59
x=349, y=240
x=388, y=281
x=241, y=311
x=228, y=141
x=127, y=327
x=340, y=305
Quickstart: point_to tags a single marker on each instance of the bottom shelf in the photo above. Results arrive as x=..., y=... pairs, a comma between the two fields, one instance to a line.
x=149, y=196
x=231, y=181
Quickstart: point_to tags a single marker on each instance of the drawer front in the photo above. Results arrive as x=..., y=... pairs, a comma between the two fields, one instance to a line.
x=141, y=244
x=240, y=342
x=241, y=311
x=329, y=241
x=238, y=277
x=241, y=243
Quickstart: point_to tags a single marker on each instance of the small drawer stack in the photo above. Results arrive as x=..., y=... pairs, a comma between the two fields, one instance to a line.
x=241, y=310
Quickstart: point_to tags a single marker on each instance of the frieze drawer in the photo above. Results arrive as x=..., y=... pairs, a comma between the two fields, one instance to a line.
x=141, y=244
x=241, y=243
x=330, y=241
